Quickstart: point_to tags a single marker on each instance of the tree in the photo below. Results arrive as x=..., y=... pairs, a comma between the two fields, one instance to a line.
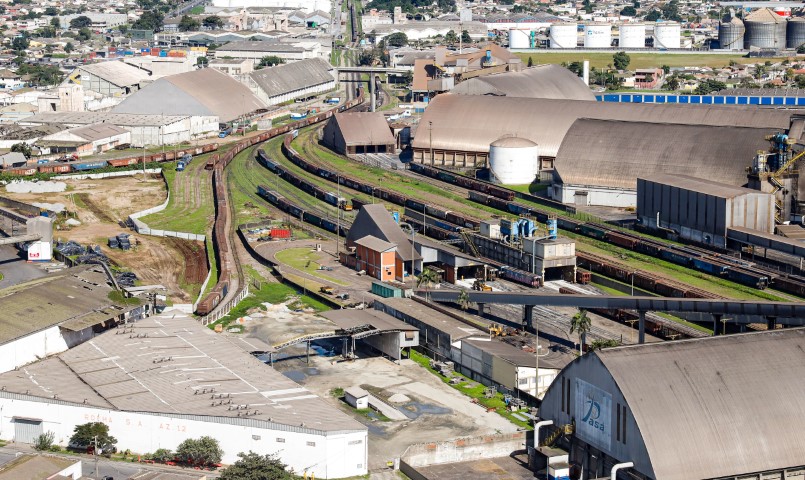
x=188, y=24
x=269, y=61
x=603, y=343
x=801, y=49
x=23, y=148
x=653, y=16
x=52, y=12
x=69, y=47
x=367, y=58
x=666, y=69
x=202, y=451
x=800, y=80
x=451, y=37
x=398, y=39
x=84, y=34
x=581, y=324
x=621, y=60
x=123, y=29
x=55, y=23
x=465, y=36
x=202, y=61
x=44, y=441
x=671, y=84
x=80, y=22
x=463, y=299
x=85, y=435
x=253, y=466
x=150, y=20
x=530, y=62
x=709, y=86
x=19, y=44
x=162, y=455
x=629, y=11
x=428, y=277
x=213, y=22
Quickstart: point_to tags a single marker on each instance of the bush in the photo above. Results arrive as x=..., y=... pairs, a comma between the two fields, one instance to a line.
x=44, y=441
x=162, y=455
x=203, y=451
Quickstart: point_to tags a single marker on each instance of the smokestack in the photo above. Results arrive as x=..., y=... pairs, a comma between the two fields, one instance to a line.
x=585, y=75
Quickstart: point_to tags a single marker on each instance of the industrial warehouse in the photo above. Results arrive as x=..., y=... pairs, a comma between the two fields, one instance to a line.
x=664, y=419
x=159, y=381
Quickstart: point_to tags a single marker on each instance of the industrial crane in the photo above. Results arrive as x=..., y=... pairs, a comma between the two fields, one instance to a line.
x=773, y=165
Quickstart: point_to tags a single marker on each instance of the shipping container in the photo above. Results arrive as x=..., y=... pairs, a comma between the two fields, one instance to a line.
x=90, y=165
x=280, y=233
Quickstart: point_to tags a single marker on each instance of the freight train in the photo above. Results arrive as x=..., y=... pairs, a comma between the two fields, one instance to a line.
x=300, y=183
x=308, y=216
x=87, y=165
x=217, y=163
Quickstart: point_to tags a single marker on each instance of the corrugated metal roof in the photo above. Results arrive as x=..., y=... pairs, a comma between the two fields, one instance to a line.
x=544, y=81
x=293, y=76
x=259, y=46
x=364, y=128
x=470, y=123
x=719, y=406
x=354, y=318
x=116, y=72
x=146, y=368
x=702, y=185
x=97, y=131
x=764, y=15
x=375, y=244
x=614, y=154
x=375, y=220
x=200, y=92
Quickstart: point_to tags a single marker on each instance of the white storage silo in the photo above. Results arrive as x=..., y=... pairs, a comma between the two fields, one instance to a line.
x=519, y=38
x=564, y=35
x=513, y=160
x=598, y=35
x=632, y=35
x=667, y=35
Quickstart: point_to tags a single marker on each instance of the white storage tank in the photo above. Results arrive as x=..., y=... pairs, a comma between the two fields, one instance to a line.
x=667, y=35
x=632, y=35
x=564, y=35
x=598, y=35
x=513, y=160
x=522, y=38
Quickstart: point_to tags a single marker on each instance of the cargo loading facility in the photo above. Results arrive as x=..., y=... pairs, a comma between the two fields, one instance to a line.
x=167, y=378
x=717, y=407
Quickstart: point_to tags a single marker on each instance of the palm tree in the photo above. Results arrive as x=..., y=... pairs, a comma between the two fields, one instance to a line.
x=581, y=324
x=463, y=299
x=428, y=277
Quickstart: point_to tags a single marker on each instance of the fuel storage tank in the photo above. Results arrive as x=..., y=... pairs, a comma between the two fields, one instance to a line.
x=731, y=34
x=667, y=35
x=513, y=160
x=564, y=35
x=597, y=35
x=521, y=38
x=795, y=32
x=632, y=35
x=764, y=29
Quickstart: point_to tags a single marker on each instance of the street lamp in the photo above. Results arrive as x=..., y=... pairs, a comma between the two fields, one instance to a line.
x=632, y=275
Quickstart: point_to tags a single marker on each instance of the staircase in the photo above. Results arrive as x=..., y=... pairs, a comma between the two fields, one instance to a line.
x=470, y=244
x=554, y=436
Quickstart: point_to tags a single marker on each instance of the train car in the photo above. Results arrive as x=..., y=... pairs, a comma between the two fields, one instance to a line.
x=478, y=197
x=311, y=218
x=501, y=193
x=520, y=276
x=358, y=203
x=621, y=240
x=91, y=165
x=745, y=277
x=649, y=248
x=415, y=204
x=462, y=220
x=790, y=285
x=433, y=231
x=124, y=162
x=676, y=257
x=592, y=231
x=707, y=266
x=55, y=168
x=436, y=212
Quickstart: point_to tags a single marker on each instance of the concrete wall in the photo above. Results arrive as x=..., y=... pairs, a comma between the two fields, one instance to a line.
x=335, y=455
x=38, y=345
x=391, y=343
x=463, y=449
x=599, y=196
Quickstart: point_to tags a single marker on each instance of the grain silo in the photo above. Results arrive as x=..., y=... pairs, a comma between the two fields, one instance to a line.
x=764, y=29
x=667, y=35
x=513, y=160
x=632, y=35
x=597, y=35
x=564, y=35
x=795, y=33
x=731, y=34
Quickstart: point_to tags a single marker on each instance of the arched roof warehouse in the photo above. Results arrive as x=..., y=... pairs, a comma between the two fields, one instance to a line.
x=716, y=407
x=544, y=81
x=610, y=153
x=469, y=123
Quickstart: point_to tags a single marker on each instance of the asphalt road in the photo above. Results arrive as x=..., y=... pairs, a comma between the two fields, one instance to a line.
x=15, y=269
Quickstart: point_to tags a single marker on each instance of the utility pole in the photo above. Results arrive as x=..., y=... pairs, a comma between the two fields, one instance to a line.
x=430, y=134
x=95, y=455
x=337, y=216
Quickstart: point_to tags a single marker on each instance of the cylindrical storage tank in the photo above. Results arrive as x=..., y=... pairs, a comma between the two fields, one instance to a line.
x=513, y=160
x=731, y=34
x=564, y=35
x=598, y=35
x=519, y=38
x=632, y=35
x=764, y=29
x=667, y=35
x=795, y=33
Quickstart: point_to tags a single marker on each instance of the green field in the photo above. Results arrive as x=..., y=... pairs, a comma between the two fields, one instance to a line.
x=270, y=293
x=243, y=176
x=643, y=60
x=191, y=207
x=306, y=260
